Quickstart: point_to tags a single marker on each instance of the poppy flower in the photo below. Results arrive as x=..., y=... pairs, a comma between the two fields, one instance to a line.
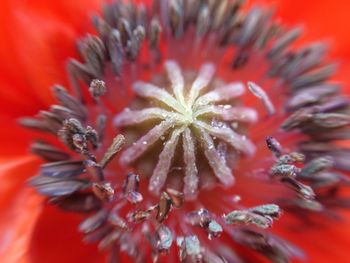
x=163, y=138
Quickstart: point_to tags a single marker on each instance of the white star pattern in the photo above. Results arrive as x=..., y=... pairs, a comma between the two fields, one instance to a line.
x=185, y=119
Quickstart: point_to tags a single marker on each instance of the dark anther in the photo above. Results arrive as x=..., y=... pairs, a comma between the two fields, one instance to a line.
x=274, y=146
x=164, y=207
x=103, y=191
x=97, y=88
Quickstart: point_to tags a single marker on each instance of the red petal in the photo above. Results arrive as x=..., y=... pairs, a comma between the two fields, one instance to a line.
x=38, y=38
x=33, y=59
x=56, y=239
x=324, y=243
x=19, y=206
x=323, y=20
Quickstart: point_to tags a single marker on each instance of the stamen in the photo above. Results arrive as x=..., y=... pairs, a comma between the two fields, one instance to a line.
x=261, y=94
x=113, y=149
x=62, y=169
x=261, y=216
x=48, y=152
x=103, y=191
x=70, y=102
x=190, y=248
x=269, y=245
x=165, y=238
x=284, y=41
x=311, y=95
x=154, y=33
x=56, y=186
x=274, y=146
x=93, y=222
x=163, y=207
x=97, y=88
x=313, y=78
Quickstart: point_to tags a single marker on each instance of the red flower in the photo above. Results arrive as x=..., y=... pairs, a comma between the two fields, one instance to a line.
x=38, y=38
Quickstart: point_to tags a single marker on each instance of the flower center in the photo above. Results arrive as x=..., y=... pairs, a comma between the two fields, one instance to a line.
x=198, y=111
x=185, y=131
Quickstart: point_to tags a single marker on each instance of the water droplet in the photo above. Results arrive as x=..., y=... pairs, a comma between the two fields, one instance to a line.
x=234, y=125
x=236, y=198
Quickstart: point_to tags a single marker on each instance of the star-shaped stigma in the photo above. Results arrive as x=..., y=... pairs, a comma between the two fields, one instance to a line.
x=198, y=114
